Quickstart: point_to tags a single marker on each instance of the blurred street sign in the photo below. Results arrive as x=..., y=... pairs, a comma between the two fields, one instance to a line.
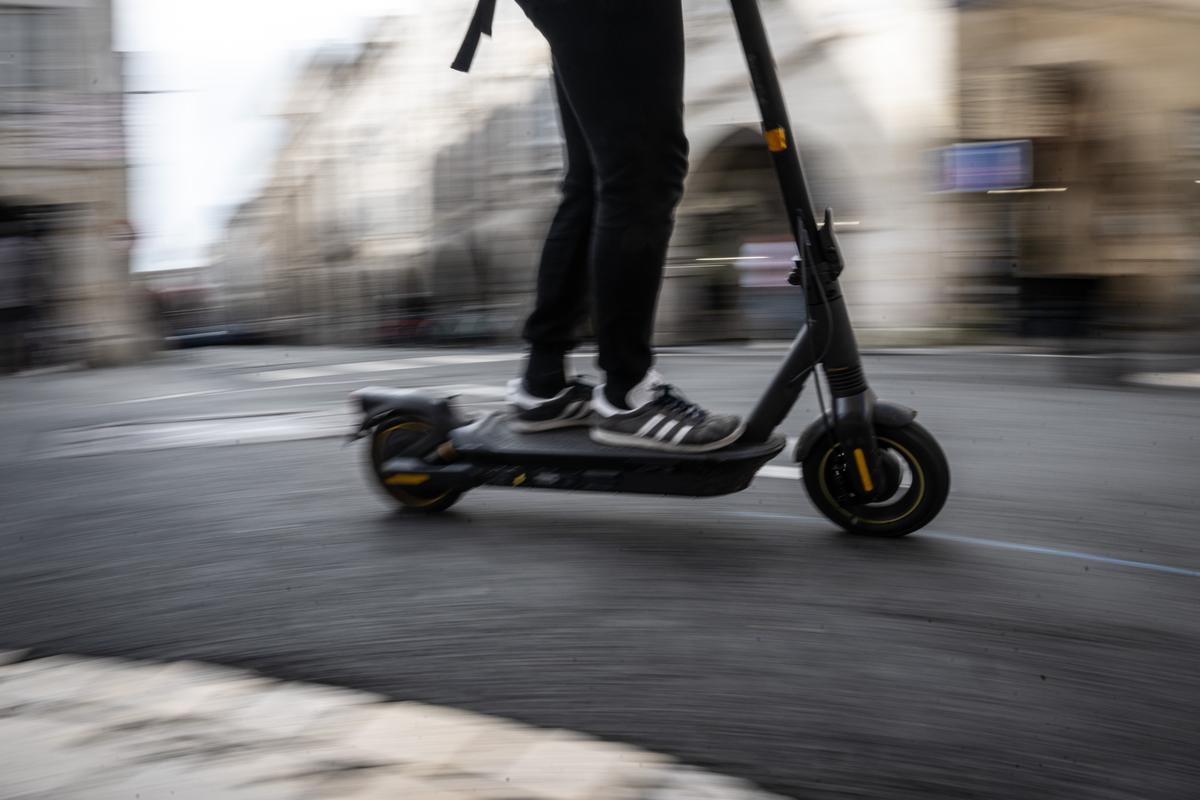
x=983, y=166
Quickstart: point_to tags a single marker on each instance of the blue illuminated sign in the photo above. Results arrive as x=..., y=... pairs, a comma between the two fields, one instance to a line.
x=983, y=166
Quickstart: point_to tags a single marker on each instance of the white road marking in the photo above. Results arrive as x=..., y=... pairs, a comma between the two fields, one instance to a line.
x=295, y=374
x=281, y=387
x=374, y=366
x=1172, y=380
x=472, y=389
x=233, y=429
x=777, y=471
x=171, y=434
x=416, y=362
x=328, y=423
x=176, y=396
x=469, y=358
x=279, y=428
x=998, y=544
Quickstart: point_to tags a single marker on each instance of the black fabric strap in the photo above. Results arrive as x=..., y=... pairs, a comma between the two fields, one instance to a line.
x=481, y=25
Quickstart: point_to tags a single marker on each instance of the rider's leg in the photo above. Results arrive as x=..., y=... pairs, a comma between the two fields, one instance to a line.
x=620, y=63
x=551, y=329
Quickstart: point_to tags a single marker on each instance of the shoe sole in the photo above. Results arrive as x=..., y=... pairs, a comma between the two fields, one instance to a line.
x=601, y=436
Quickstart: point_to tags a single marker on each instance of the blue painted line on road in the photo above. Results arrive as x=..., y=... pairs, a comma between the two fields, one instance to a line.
x=1000, y=545
x=1051, y=551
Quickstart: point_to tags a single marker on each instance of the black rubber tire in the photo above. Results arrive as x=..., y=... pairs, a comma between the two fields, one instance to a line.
x=911, y=509
x=385, y=444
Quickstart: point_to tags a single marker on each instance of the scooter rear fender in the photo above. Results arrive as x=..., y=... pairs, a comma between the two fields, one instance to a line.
x=379, y=403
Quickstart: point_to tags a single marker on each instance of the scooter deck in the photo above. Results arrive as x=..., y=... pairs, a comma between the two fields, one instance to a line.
x=491, y=440
x=488, y=452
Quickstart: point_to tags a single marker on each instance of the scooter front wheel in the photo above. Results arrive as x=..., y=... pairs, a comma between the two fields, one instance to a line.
x=397, y=436
x=921, y=488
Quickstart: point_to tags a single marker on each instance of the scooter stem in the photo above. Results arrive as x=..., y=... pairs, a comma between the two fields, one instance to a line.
x=777, y=129
x=827, y=337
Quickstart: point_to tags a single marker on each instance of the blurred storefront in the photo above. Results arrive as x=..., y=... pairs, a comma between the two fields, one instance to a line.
x=63, y=188
x=1103, y=239
x=410, y=200
x=407, y=201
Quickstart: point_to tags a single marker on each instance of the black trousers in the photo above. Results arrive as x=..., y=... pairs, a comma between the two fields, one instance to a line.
x=618, y=67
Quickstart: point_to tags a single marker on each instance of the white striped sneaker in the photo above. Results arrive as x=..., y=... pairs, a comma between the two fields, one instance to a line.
x=661, y=419
x=530, y=413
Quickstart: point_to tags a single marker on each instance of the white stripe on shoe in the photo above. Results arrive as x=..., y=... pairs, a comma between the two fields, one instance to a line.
x=666, y=429
x=684, y=431
x=629, y=440
x=649, y=426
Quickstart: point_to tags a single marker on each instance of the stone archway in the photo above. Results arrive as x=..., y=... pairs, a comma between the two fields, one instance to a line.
x=732, y=203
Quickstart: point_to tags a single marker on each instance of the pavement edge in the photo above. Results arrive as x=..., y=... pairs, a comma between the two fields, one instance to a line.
x=104, y=727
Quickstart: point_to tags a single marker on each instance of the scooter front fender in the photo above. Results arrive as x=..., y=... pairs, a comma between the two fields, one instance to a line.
x=888, y=414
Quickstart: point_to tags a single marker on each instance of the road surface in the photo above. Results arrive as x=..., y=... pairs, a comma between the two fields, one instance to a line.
x=1041, y=639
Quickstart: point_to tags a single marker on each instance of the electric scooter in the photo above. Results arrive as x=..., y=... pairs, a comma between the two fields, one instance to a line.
x=866, y=464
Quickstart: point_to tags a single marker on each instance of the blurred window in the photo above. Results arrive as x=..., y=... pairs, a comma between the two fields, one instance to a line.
x=39, y=48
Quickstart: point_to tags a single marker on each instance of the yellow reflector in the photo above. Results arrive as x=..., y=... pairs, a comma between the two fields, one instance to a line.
x=861, y=460
x=406, y=479
x=776, y=140
x=520, y=479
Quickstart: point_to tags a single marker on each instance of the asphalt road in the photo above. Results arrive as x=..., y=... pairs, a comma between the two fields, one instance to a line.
x=1042, y=639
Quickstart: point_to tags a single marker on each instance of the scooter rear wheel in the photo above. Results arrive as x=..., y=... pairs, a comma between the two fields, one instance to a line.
x=397, y=436
x=921, y=492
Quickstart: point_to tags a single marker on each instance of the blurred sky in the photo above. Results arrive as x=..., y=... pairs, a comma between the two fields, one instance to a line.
x=201, y=141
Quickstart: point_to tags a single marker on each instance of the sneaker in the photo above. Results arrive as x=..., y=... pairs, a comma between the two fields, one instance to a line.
x=530, y=414
x=662, y=419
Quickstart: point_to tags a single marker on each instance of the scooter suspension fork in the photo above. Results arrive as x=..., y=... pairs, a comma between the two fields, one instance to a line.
x=853, y=400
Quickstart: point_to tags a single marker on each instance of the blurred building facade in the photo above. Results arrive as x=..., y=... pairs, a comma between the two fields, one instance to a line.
x=410, y=202
x=372, y=225
x=63, y=187
x=1107, y=239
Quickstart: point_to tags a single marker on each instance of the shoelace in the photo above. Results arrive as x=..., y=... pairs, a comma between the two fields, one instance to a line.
x=668, y=398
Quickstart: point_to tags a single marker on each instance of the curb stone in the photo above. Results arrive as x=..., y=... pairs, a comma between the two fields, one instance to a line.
x=12, y=656
x=102, y=728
